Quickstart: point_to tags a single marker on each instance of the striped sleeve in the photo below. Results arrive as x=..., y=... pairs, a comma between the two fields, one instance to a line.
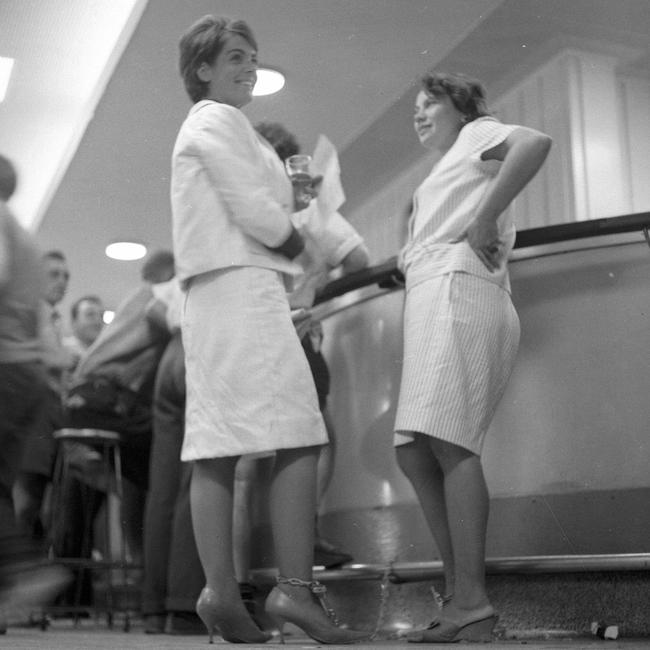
x=483, y=134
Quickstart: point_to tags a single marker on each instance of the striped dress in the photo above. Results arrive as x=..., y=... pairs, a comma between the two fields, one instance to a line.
x=461, y=331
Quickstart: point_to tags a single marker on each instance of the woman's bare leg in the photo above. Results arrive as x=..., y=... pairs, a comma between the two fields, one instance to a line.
x=211, y=498
x=423, y=470
x=246, y=482
x=220, y=602
x=292, y=510
x=468, y=508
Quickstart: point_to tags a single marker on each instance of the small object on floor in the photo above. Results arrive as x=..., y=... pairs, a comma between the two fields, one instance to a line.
x=154, y=623
x=328, y=555
x=604, y=631
x=184, y=623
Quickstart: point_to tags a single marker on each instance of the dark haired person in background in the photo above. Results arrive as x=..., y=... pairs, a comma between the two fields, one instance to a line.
x=38, y=459
x=338, y=246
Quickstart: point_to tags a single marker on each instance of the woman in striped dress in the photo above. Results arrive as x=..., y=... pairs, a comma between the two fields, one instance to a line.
x=461, y=331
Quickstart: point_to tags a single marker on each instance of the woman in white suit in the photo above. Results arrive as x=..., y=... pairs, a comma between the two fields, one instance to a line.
x=249, y=387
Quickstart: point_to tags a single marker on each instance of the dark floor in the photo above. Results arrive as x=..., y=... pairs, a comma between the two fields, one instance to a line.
x=95, y=635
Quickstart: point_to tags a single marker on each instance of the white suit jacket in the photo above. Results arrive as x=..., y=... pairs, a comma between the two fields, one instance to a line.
x=230, y=195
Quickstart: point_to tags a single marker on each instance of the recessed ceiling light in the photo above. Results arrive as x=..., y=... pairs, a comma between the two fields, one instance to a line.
x=269, y=81
x=126, y=250
x=6, y=65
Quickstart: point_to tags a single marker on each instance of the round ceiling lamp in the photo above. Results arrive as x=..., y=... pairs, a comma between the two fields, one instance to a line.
x=126, y=250
x=269, y=81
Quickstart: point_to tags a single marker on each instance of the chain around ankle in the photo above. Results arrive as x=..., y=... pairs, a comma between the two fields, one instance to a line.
x=316, y=588
x=313, y=585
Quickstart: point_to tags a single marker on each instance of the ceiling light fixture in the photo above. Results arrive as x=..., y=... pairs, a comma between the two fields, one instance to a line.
x=6, y=66
x=269, y=81
x=126, y=250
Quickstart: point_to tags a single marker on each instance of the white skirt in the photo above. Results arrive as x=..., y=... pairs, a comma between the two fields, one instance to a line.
x=249, y=387
x=461, y=335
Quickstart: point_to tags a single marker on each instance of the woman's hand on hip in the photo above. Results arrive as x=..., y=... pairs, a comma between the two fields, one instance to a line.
x=483, y=237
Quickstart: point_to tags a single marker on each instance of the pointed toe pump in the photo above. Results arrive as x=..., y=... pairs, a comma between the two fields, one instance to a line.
x=234, y=626
x=316, y=620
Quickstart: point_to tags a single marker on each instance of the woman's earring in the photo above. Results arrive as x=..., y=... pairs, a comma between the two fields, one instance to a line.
x=203, y=72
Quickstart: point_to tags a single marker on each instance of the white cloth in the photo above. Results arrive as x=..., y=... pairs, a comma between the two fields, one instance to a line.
x=328, y=240
x=461, y=332
x=230, y=195
x=249, y=387
x=445, y=203
x=461, y=340
x=171, y=295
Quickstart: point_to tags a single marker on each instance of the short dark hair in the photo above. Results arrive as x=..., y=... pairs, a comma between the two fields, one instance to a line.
x=158, y=267
x=8, y=178
x=466, y=93
x=283, y=141
x=74, y=310
x=54, y=255
x=202, y=43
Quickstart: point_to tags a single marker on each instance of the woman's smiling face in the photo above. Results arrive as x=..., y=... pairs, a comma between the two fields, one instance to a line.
x=232, y=76
x=437, y=121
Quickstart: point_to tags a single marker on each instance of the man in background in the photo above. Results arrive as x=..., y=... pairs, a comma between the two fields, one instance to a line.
x=38, y=458
x=24, y=579
x=112, y=388
x=86, y=323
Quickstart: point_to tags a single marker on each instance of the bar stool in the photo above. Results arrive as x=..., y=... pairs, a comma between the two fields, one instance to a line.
x=108, y=479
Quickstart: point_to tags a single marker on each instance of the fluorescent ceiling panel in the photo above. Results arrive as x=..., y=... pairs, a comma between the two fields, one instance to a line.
x=65, y=53
x=6, y=65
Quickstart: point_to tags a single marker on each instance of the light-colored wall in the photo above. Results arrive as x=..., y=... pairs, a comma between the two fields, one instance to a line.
x=571, y=427
x=574, y=418
x=599, y=163
x=635, y=93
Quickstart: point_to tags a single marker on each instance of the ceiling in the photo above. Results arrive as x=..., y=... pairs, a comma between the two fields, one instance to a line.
x=350, y=66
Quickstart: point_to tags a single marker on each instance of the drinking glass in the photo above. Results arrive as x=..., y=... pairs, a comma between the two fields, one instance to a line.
x=298, y=170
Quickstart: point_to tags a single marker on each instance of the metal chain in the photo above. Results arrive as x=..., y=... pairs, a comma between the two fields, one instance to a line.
x=383, y=599
x=316, y=588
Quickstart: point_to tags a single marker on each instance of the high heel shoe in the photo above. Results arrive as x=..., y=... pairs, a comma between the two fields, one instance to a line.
x=235, y=627
x=446, y=631
x=318, y=622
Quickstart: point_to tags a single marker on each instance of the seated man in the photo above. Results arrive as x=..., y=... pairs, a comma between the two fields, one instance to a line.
x=112, y=389
x=112, y=385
